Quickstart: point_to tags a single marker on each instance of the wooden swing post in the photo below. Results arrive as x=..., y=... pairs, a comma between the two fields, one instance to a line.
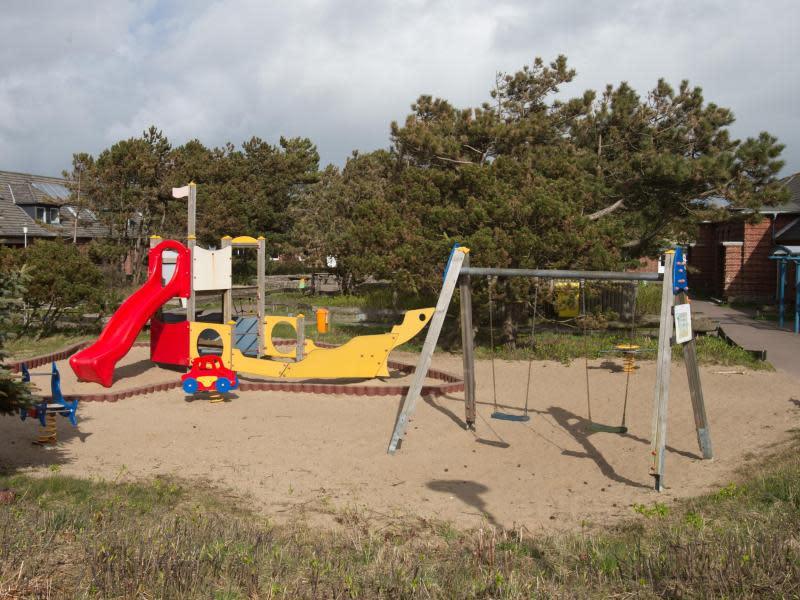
x=467, y=344
x=658, y=438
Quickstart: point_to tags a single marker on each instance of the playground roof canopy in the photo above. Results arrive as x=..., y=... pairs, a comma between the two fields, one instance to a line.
x=786, y=252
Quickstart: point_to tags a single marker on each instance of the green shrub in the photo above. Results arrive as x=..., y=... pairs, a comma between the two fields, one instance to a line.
x=13, y=393
x=60, y=277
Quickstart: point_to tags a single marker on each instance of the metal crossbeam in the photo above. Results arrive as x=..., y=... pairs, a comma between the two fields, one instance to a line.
x=562, y=274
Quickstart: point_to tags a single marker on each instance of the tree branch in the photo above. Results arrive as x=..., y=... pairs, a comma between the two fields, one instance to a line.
x=458, y=162
x=605, y=211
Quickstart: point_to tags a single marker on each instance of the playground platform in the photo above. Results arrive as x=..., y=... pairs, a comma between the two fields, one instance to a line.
x=781, y=347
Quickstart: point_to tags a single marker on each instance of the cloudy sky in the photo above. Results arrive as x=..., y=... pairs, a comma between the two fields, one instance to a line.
x=80, y=75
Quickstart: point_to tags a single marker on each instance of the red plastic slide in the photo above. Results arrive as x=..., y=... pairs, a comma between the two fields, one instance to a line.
x=96, y=363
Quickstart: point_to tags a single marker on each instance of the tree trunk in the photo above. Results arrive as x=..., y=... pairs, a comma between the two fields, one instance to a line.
x=510, y=318
x=509, y=330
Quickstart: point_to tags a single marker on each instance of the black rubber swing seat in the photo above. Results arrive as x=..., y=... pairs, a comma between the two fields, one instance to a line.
x=507, y=417
x=600, y=428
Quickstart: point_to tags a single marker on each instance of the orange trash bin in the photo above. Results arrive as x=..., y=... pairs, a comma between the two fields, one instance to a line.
x=323, y=320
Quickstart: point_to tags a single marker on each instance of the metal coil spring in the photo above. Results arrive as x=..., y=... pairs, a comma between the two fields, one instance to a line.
x=629, y=352
x=48, y=434
x=215, y=397
x=629, y=363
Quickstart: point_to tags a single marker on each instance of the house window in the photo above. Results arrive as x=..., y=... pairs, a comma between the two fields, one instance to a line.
x=47, y=214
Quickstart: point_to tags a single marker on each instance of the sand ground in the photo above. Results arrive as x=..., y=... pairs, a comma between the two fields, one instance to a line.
x=290, y=452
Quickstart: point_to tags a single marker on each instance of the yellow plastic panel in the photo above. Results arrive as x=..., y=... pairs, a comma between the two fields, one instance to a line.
x=256, y=366
x=363, y=357
x=413, y=322
x=225, y=335
x=270, y=323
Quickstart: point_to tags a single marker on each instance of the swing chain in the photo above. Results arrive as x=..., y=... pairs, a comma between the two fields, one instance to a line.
x=533, y=342
x=492, y=282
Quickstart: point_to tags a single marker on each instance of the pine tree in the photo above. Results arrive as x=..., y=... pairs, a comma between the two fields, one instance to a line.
x=13, y=393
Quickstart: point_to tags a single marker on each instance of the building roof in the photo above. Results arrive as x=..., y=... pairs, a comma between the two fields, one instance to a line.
x=24, y=189
x=792, y=205
x=789, y=234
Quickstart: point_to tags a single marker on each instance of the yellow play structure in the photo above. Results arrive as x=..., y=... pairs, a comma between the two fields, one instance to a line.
x=365, y=356
x=246, y=344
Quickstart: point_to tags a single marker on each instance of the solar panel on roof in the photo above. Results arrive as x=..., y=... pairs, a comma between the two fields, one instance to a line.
x=21, y=193
x=54, y=190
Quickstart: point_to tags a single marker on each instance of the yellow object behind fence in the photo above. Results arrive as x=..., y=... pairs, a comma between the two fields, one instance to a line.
x=567, y=298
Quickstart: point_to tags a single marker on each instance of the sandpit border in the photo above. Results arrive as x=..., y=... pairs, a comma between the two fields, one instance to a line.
x=452, y=383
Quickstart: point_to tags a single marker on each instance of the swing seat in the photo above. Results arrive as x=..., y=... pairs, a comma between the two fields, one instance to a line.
x=501, y=416
x=600, y=428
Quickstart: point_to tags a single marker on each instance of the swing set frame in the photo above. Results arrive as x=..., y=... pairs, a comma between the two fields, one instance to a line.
x=674, y=291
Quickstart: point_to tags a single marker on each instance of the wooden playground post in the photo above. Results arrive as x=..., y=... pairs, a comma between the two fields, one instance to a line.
x=467, y=345
x=301, y=338
x=696, y=394
x=227, y=295
x=191, y=240
x=658, y=438
x=261, y=283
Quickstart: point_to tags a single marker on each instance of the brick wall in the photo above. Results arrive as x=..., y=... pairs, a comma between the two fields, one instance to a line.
x=758, y=276
x=755, y=279
x=702, y=260
x=738, y=271
x=646, y=265
x=732, y=280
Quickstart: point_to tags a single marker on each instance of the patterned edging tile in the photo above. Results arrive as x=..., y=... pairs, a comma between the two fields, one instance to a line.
x=451, y=383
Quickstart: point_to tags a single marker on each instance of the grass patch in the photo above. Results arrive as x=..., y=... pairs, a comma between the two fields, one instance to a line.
x=561, y=347
x=712, y=350
x=28, y=346
x=374, y=298
x=648, y=299
x=566, y=347
x=72, y=538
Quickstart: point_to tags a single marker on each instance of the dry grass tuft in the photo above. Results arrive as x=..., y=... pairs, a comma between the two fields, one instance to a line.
x=69, y=538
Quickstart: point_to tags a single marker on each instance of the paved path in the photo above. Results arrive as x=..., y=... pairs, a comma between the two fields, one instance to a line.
x=781, y=345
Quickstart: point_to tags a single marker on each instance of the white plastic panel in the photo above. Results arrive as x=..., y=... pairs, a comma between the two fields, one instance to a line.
x=169, y=258
x=211, y=269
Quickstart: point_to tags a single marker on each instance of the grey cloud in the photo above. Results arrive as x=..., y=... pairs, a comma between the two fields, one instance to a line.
x=79, y=76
